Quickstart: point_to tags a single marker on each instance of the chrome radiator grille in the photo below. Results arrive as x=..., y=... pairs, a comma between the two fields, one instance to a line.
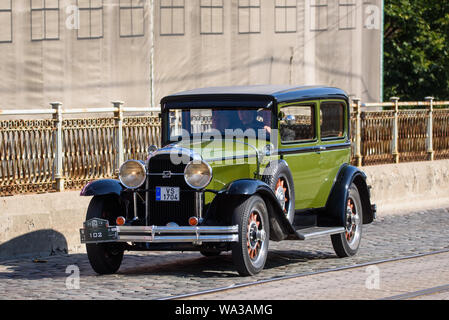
x=160, y=212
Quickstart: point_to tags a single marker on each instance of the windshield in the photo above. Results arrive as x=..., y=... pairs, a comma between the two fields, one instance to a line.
x=248, y=122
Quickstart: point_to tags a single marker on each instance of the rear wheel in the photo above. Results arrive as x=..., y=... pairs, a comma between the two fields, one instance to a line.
x=105, y=258
x=347, y=244
x=250, y=252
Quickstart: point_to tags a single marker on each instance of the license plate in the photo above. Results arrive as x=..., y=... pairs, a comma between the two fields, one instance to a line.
x=97, y=231
x=167, y=194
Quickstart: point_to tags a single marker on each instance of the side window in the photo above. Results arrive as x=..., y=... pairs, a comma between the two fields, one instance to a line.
x=332, y=120
x=297, y=124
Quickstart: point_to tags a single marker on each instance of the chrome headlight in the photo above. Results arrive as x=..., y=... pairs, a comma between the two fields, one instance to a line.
x=132, y=174
x=198, y=174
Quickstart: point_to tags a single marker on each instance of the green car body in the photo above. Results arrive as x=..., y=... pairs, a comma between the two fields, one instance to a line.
x=209, y=191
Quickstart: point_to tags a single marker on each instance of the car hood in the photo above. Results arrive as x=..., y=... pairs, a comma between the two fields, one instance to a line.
x=223, y=149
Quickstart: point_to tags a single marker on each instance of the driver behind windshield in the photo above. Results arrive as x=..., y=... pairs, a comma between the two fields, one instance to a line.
x=220, y=121
x=248, y=119
x=241, y=119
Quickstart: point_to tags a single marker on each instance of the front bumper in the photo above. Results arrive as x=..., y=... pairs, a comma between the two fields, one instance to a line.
x=98, y=231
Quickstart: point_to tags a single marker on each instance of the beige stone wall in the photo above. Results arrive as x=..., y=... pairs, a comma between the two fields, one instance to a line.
x=48, y=60
x=161, y=47
x=41, y=223
x=409, y=186
x=313, y=42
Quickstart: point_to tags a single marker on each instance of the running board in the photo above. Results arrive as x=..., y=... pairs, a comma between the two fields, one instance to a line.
x=315, y=232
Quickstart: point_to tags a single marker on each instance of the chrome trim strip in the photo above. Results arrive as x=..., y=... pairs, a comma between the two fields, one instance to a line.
x=135, y=204
x=199, y=205
x=171, y=239
x=245, y=156
x=314, y=232
x=175, y=234
x=147, y=199
x=319, y=148
x=186, y=230
x=162, y=174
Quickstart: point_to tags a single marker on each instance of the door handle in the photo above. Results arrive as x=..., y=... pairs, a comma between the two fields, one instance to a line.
x=320, y=148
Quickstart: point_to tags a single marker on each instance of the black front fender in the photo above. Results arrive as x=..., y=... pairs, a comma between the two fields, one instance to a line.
x=336, y=203
x=280, y=227
x=102, y=187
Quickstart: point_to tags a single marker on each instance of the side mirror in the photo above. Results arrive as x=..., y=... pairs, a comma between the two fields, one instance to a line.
x=290, y=119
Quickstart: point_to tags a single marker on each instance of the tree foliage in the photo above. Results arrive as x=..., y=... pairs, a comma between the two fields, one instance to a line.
x=416, y=49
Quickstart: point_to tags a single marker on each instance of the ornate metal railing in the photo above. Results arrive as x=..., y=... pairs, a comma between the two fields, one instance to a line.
x=65, y=153
x=26, y=156
x=418, y=133
x=57, y=154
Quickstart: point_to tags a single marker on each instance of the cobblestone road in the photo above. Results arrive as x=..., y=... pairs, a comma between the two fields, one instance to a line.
x=157, y=275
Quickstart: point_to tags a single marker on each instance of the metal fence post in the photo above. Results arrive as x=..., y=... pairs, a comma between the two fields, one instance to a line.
x=118, y=115
x=358, y=133
x=394, y=146
x=57, y=117
x=430, y=151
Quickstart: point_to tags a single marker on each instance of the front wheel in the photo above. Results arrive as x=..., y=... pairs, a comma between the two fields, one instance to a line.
x=250, y=252
x=105, y=258
x=346, y=244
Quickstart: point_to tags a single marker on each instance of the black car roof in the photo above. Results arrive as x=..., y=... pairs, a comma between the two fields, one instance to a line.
x=280, y=93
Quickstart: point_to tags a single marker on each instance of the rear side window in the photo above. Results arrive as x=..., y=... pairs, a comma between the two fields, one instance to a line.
x=297, y=124
x=332, y=121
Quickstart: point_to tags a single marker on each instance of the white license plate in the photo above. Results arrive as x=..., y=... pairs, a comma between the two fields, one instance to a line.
x=167, y=194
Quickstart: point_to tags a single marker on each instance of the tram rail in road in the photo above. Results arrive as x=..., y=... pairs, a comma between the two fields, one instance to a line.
x=407, y=295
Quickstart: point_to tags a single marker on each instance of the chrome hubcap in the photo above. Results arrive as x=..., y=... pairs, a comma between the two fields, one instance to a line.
x=256, y=235
x=352, y=232
x=281, y=194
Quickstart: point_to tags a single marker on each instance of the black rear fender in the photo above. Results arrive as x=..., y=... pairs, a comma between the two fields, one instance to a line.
x=336, y=203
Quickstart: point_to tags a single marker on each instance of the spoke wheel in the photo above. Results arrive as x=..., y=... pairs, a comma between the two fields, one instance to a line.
x=282, y=194
x=250, y=252
x=353, y=228
x=254, y=238
x=347, y=243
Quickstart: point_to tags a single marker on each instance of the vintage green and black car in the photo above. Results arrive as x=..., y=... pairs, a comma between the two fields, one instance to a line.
x=239, y=167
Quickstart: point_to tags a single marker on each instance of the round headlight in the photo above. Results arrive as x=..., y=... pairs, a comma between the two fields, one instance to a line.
x=132, y=174
x=198, y=174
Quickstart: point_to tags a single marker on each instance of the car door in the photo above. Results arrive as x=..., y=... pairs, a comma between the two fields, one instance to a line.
x=298, y=140
x=334, y=144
